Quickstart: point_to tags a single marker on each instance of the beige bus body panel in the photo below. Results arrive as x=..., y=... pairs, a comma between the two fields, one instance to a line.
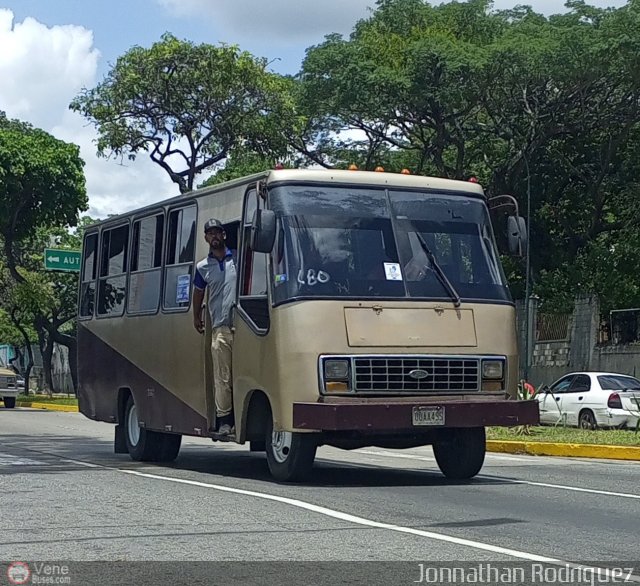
x=284, y=364
x=410, y=327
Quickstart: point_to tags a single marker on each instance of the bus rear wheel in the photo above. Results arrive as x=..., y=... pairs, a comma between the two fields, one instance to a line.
x=145, y=445
x=460, y=455
x=290, y=455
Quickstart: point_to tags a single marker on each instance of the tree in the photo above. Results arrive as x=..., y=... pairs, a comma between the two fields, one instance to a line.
x=42, y=190
x=526, y=103
x=188, y=106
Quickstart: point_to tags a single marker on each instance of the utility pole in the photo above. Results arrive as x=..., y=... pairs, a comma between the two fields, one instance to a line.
x=527, y=295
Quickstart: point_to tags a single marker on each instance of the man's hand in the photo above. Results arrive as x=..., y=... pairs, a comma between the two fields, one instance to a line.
x=198, y=297
x=198, y=324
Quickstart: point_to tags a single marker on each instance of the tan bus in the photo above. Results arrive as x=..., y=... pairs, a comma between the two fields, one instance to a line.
x=372, y=310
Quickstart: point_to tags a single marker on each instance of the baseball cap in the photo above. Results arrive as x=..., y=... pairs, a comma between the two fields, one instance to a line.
x=213, y=223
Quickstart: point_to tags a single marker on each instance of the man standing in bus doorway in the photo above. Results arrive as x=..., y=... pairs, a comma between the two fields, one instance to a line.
x=218, y=272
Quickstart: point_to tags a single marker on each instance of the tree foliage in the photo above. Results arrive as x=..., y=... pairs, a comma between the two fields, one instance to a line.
x=529, y=104
x=42, y=191
x=41, y=184
x=187, y=105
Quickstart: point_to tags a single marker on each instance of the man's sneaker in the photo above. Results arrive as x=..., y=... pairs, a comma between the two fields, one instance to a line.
x=226, y=429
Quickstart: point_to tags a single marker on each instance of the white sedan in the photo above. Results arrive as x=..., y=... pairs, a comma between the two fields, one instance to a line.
x=591, y=399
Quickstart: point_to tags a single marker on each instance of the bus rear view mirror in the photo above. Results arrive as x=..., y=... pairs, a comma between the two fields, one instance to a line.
x=263, y=230
x=517, y=235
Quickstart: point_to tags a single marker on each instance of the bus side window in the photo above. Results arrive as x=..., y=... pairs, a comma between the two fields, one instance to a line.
x=113, y=271
x=88, y=278
x=181, y=234
x=146, y=265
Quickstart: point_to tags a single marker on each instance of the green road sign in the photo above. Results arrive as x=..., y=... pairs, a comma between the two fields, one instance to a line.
x=59, y=259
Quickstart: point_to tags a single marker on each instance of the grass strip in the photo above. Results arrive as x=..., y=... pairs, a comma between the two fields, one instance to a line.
x=566, y=435
x=55, y=400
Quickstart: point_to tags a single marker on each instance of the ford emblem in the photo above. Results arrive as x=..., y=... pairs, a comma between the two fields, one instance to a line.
x=418, y=374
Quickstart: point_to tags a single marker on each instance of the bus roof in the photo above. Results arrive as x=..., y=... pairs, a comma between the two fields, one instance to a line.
x=335, y=176
x=372, y=178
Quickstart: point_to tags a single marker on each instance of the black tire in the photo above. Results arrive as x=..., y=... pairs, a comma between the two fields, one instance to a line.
x=150, y=446
x=9, y=402
x=587, y=420
x=295, y=463
x=461, y=455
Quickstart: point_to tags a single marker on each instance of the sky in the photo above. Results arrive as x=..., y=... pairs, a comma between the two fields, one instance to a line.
x=51, y=49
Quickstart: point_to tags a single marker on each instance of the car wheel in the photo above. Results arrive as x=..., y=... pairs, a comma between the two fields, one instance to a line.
x=9, y=402
x=587, y=420
x=145, y=445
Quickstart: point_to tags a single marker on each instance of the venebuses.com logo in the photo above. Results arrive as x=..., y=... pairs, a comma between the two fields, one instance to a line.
x=18, y=573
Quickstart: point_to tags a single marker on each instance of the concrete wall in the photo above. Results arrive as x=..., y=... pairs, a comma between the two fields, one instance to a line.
x=580, y=351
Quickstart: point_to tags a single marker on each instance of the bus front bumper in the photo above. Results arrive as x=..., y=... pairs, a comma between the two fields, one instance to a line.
x=412, y=414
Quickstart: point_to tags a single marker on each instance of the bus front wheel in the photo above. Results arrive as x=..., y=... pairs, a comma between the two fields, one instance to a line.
x=290, y=455
x=460, y=455
x=145, y=445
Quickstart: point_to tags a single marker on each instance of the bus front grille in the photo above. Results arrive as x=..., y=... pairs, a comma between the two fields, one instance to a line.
x=409, y=374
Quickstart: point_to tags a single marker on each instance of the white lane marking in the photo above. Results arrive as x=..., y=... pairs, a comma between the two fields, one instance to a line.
x=561, y=487
x=362, y=521
x=79, y=463
x=513, y=480
x=346, y=516
x=11, y=460
x=378, y=525
x=429, y=458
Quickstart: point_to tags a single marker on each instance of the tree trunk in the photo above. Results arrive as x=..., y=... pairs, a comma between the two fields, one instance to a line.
x=46, y=350
x=28, y=348
x=72, y=345
x=73, y=363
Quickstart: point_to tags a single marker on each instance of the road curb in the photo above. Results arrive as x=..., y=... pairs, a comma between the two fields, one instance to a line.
x=49, y=407
x=565, y=450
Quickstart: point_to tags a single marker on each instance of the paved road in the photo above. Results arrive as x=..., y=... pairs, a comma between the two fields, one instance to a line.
x=64, y=495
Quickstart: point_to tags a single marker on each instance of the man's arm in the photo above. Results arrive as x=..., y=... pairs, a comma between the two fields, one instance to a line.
x=198, y=297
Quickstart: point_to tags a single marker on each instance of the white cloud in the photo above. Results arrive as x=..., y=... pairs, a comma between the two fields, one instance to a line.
x=114, y=186
x=552, y=6
x=41, y=70
x=281, y=22
x=287, y=22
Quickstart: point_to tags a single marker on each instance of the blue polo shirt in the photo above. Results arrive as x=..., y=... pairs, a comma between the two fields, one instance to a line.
x=220, y=277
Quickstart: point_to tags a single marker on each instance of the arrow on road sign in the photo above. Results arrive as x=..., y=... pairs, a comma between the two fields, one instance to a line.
x=60, y=259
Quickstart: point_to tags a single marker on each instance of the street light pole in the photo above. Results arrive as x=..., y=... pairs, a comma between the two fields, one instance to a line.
x=527, y=295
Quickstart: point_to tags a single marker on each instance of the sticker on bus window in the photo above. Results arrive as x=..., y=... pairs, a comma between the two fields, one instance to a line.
x=281, y=278
x=183, y=288
x=392, y=271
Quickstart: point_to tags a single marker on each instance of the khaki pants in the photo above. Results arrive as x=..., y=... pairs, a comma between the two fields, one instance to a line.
x=221, y=347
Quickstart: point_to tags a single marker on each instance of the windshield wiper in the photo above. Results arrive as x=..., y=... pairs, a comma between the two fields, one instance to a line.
x=438, y=271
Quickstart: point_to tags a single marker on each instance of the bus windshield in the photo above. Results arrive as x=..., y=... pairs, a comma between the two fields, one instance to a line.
x=341, y=242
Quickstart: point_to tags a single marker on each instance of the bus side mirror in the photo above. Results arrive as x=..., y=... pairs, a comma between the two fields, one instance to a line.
x=263, y=230
x=517, y=235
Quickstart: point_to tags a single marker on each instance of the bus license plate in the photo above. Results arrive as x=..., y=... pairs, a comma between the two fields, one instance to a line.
x=428, y=415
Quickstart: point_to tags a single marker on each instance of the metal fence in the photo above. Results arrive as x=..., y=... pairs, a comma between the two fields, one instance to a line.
x=552, y=327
